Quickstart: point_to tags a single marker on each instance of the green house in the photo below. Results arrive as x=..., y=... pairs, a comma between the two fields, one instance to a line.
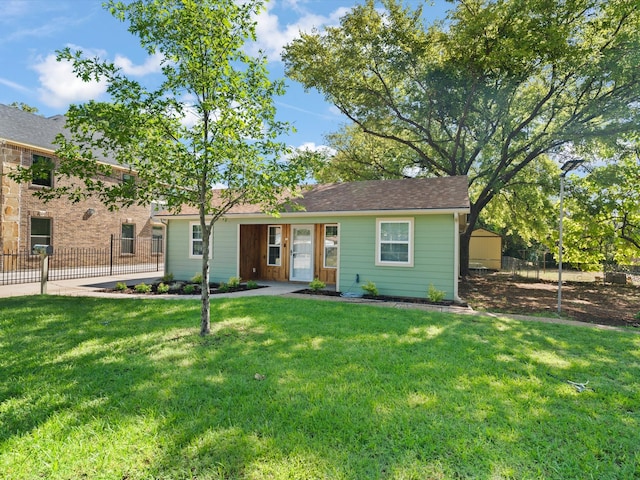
x=403, y=235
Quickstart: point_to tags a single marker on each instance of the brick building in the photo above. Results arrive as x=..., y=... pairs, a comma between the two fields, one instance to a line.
x=25, y=220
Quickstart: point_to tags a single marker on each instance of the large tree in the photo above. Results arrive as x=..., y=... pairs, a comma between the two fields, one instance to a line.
x=487, y=91
x=523, y=210
x=353, y=155
x=211, y=121
x=603, y=206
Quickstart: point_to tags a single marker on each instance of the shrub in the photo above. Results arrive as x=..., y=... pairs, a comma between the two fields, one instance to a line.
x=163, y=288
x=251, y=284
x=223, y=287
x=167, y=278
x=637, y=316
x=176, y=287
x=197, y=278
x=142, y=288
x=234, y=282
x=370, y=288
x=435, y=295
x=316, y=285
x=120, y=287
x=189, y=289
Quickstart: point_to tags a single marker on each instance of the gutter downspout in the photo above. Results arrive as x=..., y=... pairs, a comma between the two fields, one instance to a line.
x=165, y=240
x=456, y=256
x=4, y=158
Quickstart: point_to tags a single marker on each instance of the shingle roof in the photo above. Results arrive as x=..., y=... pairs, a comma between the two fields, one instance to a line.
x=35, y=130
x=442, y=193
x=30, y=129
x=402, y=194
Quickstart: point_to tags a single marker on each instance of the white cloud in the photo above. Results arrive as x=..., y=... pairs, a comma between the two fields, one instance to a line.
x=190, y=117
x=13, y=85
x=333, y=112
x=60, y=86
x=151, y=65
x=22, y=19
x=312, y=147
x=272, y=37
x=13, y=8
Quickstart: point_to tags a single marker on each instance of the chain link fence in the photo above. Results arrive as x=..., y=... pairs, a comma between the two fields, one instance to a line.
x=537, y=268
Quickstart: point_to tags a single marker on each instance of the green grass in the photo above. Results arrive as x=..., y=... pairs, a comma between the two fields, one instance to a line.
x=127, y=389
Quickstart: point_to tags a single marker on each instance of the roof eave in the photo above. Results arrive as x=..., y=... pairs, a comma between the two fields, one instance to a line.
x=406, y=212
x=27, y=146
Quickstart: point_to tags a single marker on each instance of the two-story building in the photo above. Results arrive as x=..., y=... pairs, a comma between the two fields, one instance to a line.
x=25, y=220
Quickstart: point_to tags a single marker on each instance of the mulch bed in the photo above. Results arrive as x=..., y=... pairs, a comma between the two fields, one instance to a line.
x=178, y=288
x=380, y=298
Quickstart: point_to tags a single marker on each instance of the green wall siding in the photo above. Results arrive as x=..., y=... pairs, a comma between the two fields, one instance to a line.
x=434, y=251
x=433, y=257
x=177, y=261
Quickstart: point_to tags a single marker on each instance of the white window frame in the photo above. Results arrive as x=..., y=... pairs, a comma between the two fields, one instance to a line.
x=157, y=240
x=269, y=245
x=128, y=244
x=192, y=241
x=325, y=246
x=38, y=239
x=410, y=242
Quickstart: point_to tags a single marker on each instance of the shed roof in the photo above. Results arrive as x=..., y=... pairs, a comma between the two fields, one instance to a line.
x=483, y=232
x=441, y=193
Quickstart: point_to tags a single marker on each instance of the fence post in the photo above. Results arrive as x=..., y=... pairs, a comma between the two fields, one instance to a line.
x=111, y=257
x=44, y=273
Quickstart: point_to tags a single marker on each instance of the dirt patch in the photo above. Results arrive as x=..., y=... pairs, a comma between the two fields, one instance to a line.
x=586, y=302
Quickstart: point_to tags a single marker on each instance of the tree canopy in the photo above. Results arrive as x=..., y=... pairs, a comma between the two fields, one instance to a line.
x=603, y=225
x=211, y=120
x=486, y=92
x=24, y=107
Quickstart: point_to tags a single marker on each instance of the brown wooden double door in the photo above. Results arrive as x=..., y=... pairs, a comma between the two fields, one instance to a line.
x=267, y=253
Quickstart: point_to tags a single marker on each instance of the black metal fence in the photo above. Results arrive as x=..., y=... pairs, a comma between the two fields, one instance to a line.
x=121, y=256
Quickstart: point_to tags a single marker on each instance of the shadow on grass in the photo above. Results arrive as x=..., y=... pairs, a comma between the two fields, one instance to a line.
x=305, y=389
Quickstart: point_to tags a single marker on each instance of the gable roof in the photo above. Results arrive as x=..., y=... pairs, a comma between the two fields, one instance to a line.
x=403, y=195
x=35, y=131
x=28, y=128
x=483, y=232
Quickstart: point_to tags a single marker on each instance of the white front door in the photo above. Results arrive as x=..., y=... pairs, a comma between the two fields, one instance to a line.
x=301, y=253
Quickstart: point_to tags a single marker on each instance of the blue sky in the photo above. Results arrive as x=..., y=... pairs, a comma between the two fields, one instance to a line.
x=32, y=31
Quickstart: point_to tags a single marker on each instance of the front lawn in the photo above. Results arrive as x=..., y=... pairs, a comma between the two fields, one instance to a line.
x=300, y=389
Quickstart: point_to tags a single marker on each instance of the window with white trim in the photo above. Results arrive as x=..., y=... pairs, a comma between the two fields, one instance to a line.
x=196, y=246
x=40, y=232
x=127, y=238
x=394, y=242
x=157, y=239
x=274, y=246
x=330, y=246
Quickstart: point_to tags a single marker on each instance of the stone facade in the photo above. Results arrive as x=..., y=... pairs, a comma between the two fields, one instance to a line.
x=86, y=224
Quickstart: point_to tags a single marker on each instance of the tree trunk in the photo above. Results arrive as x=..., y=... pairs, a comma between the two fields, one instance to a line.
x=465, y=240
x=464, y=252
x=205, y=310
